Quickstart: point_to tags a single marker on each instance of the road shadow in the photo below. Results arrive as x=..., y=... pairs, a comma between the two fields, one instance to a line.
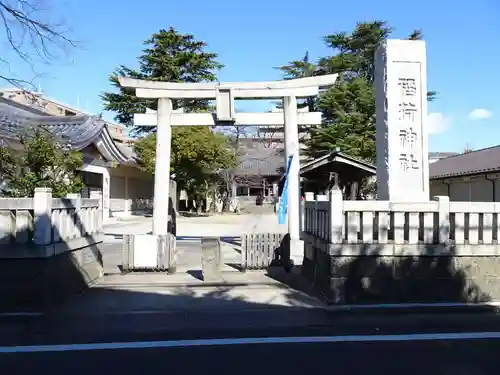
x=231, y=240
x=197, y=274
x=163, y=311
x=193, y=214
x=363, y=274
x=116, y=236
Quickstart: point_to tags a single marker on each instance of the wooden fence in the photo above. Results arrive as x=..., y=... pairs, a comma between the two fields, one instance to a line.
x=258, y=249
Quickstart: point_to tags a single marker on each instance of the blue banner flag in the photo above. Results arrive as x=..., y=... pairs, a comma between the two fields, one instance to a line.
x=283, y=206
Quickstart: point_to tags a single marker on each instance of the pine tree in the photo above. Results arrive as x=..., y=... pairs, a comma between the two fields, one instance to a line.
x=169, y=56
x=349, y=107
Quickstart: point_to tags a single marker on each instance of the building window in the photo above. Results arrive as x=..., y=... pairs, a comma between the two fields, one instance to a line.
x=241, y=191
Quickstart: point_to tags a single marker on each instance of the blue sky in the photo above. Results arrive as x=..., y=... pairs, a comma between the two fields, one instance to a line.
x=253, y=36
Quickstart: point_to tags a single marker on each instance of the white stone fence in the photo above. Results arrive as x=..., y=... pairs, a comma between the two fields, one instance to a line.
x=43, y=226
x=376, y=252
x=439, y=221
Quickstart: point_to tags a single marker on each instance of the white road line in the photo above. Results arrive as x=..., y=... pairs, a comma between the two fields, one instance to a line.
x=249, y=341
x=21, y=314
x=413, y=305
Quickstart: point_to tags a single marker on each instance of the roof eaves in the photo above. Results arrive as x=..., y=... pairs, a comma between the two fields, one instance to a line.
x=464, y=173
x=338, y=156
x=358, y=161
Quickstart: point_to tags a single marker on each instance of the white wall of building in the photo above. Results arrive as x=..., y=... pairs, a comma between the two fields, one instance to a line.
x=126, y=190
x=484, y=188
x=104, y=172
x=131, y=191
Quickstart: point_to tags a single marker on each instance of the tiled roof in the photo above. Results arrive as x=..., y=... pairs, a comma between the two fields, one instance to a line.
x=486, y=160
x=335, y=157
x=80, y=131
x=127, y=151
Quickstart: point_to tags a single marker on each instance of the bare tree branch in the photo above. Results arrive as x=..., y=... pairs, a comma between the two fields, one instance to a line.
x=31, y=34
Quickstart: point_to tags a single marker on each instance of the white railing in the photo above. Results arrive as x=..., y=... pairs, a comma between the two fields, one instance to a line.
x=74, y=218
x=43, y=220
x=317, y=220
x=435, y=222
x=16, y=220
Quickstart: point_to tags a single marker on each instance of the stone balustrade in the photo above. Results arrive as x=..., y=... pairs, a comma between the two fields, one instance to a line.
x=358, y=252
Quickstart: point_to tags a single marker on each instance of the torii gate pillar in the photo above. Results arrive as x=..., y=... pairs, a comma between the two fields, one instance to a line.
x=292, y=150
x=162, y=167
x=224, y=94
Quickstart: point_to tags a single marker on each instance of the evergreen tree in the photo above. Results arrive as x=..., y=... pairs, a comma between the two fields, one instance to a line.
x=169, y=56
x=40, y=160
x=349, y=107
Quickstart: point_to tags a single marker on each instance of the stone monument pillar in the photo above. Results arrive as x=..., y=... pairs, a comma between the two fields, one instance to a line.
x=401, y=110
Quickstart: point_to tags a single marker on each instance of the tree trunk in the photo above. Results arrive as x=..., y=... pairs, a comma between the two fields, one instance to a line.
x=199, y=206
x=226, y=203
x=190, y=204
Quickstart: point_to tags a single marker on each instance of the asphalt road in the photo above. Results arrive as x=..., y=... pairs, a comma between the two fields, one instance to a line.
x=474, y=357
x=189, y=325
x=388, y=343
x=449, y=344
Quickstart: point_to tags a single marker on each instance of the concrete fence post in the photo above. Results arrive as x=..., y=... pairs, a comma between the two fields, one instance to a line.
x=307, y=217
x=443, y=232
x=99, y=218
x=309, y=196
x=42, y=207
x=336, y=216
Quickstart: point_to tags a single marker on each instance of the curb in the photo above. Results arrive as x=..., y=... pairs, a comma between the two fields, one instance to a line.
x=416, y=308
x=156, y=284
x=182, y=312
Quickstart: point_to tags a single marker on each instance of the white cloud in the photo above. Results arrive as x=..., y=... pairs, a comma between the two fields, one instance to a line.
x=438, y=123
x=479, y=114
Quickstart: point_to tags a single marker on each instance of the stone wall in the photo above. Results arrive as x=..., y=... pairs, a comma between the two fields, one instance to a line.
x=371, y=274
x=38, y=284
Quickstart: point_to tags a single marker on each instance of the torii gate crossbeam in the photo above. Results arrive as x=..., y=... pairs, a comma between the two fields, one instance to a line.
x=225, y=94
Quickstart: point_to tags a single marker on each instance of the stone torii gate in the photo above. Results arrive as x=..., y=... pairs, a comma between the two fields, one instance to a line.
x=401, y=133
x=224, y=94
